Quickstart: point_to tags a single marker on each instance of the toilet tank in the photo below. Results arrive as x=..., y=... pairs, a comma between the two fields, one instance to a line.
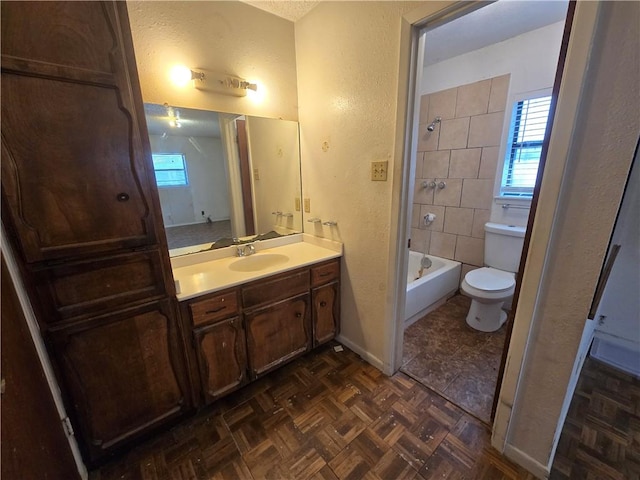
x=503, y=246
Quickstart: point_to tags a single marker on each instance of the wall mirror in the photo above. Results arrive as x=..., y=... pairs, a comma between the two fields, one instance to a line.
x=224, y=177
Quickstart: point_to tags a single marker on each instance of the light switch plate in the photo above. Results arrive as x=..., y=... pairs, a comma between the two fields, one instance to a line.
x=307, y=205
x=379, y=171
x=297, y=202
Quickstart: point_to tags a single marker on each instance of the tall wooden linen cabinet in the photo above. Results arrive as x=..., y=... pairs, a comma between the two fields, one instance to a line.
x=81, y=208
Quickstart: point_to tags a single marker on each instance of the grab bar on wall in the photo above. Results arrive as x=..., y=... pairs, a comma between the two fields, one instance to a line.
x=509, y=205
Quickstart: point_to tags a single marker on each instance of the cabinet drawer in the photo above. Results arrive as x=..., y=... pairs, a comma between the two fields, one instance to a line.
x=325, y=273
x=86, y=287
x=273, y=290
x=214, y=308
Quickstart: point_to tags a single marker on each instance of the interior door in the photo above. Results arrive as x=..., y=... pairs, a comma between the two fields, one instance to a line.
x=33, y=443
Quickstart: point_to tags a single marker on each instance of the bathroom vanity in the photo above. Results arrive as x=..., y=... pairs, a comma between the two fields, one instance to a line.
x=247, y=316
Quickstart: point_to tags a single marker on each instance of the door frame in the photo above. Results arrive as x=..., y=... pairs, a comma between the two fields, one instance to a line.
x=569, y=98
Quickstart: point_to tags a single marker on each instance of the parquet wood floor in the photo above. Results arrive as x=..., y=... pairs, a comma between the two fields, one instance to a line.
x=328, y=415
x=601, y=435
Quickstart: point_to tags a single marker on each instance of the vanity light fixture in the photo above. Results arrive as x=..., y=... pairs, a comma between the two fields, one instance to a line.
x=221, y=83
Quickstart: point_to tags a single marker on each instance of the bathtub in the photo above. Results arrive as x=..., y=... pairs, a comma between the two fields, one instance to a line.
x=437, y=284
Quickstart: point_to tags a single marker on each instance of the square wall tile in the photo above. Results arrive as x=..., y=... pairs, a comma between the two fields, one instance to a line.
x=499, y=93
x=438, y=223
x=419, y=164
x=470, y=250
x=424, y=109
x=420, y=240
x=454, y=134
x=465, y=163
x=489, y=162
x=458, y=220
x=443, y=245
x=442, y=104
x=415, y=215
x=435, y=165
x=422, y=195
x=473, y=99
x=427, y=141
x=450, y=194
x=480, y=217
x=486, y=130
x=476, y=194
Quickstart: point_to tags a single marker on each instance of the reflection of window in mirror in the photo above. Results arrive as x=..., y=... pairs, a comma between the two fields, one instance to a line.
x=170, y=169
x=200, y=183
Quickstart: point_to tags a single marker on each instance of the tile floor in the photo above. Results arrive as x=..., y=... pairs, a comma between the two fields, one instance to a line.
x=327, y=415
x=459, y=363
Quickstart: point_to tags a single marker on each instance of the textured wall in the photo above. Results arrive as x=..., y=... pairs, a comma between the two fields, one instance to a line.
x=462, y=152
x=226, y=37
x=600, y=159
x=348, y=56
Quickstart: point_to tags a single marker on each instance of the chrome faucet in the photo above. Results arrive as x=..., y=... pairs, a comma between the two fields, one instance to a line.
x=245, y=250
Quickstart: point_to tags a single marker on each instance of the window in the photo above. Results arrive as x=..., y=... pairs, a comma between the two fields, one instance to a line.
x=526, y=133
x=170, y=169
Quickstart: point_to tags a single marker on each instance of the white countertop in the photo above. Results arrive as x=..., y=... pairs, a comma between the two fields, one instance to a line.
x=208, y=272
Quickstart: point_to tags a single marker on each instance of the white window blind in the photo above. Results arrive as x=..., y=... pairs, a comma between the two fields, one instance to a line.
x=528, y=125
x=170, y=169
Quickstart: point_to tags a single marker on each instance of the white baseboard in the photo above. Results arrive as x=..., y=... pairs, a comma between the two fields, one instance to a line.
x=366, y=356
x=525, y=461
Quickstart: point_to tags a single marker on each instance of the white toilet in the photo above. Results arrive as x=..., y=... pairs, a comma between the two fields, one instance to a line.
x=491, y=286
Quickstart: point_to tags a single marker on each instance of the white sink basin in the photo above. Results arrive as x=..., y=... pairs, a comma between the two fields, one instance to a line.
x=258, y=262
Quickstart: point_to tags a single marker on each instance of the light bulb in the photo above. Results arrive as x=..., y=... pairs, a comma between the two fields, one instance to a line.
x=180, y=76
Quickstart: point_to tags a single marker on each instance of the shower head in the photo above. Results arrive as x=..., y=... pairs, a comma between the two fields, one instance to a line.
x=432, y=125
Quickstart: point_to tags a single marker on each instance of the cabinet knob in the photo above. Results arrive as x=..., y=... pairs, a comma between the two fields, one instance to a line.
x=298, y=314
x=122, y=197
x=323, y=303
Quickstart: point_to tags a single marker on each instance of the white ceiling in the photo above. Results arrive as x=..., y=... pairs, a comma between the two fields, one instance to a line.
x=292, y=10
x=491, y=24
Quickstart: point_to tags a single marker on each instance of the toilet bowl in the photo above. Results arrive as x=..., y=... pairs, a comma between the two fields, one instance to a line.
x=493, y=285
x=488, y=289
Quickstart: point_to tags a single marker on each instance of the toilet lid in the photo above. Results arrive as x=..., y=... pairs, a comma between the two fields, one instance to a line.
x=490, y=279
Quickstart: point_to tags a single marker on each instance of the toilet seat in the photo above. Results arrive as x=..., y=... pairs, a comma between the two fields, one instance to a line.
x=488, y=285
x=490, y=280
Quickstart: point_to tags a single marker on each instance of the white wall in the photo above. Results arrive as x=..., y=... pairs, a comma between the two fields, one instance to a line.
x=229, y=37
x=620, y=304
x=530, y=58
x=274, y=150
x=348, y=57
x=207, y=190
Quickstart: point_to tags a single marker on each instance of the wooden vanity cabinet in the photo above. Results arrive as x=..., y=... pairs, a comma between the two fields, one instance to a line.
x=243, y=333
x=82, y=213
x=277, y=315
x=218, y=357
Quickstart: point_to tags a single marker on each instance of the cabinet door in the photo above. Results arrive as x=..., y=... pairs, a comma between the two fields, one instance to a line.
x=277, y=334
x=75, y=174
x=222, y=357
x=122, y=373
x=326, y=313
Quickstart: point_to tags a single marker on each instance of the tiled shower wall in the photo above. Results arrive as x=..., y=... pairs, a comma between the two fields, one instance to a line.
x=462, y=151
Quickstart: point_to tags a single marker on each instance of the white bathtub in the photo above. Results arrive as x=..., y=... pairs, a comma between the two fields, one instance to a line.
x=438, y=282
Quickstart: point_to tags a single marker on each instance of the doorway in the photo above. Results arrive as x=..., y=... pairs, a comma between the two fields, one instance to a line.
x=471, y=75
